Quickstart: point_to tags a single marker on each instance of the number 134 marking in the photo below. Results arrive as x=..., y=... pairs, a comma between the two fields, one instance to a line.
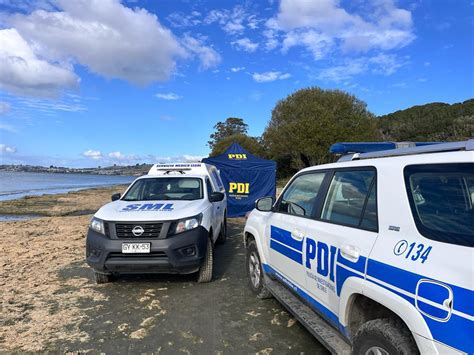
x=418, y=252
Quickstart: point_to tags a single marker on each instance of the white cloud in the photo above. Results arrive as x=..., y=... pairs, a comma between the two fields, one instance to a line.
x=270, y=76
x=318, y=44
x=116, y=155
x=180, y=19
x=343, y=72
x=169, y=96
x=8, y=128
x=237, y=69
x=22, y=72
x=192, y=158
x=7, y=149
x=51, y=106
x=245, y=44
x=383, y=64
x=271, y=38
x=386, y=64
x=208, y=57
x=93, y=154
x=323, y=25
x=120, y=158
x=109, y=38
x=5, y=107
x=175, y=159
x=253, y=22
x=231, y=21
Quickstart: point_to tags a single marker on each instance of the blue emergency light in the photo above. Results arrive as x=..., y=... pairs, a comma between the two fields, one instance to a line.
x=369, y=147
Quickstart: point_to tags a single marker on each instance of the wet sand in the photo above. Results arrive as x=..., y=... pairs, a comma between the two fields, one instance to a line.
x=49, y=301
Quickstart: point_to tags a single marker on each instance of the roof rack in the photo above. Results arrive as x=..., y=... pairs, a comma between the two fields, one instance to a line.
x=369, y=150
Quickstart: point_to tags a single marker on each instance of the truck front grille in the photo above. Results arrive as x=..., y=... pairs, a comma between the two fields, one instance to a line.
x=151, y=230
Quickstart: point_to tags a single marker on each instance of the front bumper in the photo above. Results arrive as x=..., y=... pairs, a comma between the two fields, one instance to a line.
x=170, y=255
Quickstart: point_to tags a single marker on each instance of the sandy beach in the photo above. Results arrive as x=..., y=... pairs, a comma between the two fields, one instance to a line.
x=36, y=302
x=49, y=301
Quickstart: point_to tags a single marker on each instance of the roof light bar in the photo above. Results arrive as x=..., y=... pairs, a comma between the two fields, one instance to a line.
x=369, y=150
x=369, y=147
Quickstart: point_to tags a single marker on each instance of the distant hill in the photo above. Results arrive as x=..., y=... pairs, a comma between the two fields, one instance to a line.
x=132, y=170
x=431, y=122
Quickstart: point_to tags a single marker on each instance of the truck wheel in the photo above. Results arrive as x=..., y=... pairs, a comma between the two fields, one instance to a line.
x=101, y=278
x=223, y=233
x=384, y=337
x=205, y=271
x=255, y=272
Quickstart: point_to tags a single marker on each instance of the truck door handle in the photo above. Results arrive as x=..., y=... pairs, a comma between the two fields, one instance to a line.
x=297, y=235
x=448, y=302
x=350, y=252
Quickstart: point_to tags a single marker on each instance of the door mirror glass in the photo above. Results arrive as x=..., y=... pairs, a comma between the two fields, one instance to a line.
x=116, y=196
x=216, y=196
x=265, y=204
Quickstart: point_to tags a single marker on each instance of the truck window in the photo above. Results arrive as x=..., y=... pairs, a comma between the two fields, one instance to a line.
x=163, y=189
x=217, y=180
x=209, y=187
x=441, y=201
x=300, y=196
x=347, y=198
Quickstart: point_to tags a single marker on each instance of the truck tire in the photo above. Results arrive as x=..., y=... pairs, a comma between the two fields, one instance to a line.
x=383, y=337
x=223, y=233
x=101, y=278
x=205, y=271
x=255, y=272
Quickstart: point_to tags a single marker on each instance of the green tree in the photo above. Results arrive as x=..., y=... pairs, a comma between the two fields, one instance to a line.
x=431, y=122
x=251, y=144
x=229, y=127
x=306, y=123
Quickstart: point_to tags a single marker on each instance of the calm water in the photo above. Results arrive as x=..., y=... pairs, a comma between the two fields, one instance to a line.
x=14, y=185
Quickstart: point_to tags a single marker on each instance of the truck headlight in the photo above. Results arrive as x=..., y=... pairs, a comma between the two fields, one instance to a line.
x=97, y=225
x=187, y=224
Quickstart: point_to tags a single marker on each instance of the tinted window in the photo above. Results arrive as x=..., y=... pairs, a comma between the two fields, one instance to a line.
x=347, y=197
x=165, y=189
x=300, y=196
x=216, y=178
x=209, y=187
x=441, y=199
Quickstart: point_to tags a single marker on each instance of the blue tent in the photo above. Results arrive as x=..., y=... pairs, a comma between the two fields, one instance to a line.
x=246, y=178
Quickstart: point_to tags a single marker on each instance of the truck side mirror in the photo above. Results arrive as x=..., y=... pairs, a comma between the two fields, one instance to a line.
x=216, y=196
x=116, y=196
x=265, y=204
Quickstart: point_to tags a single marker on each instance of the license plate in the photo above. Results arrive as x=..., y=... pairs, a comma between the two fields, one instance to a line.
x=131, y=248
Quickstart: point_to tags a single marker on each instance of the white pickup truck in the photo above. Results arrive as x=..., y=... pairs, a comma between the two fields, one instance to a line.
x=166, y=222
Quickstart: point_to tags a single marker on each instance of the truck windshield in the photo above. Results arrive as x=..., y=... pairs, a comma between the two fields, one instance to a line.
x=165, y=188
x=442, y=198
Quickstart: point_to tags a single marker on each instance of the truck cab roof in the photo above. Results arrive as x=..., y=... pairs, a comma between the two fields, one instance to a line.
x=366, y=153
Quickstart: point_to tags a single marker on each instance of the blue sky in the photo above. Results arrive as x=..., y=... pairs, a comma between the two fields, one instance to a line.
x=100, y=82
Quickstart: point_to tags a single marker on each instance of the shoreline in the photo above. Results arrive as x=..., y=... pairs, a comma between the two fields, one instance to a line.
x=73, y=203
